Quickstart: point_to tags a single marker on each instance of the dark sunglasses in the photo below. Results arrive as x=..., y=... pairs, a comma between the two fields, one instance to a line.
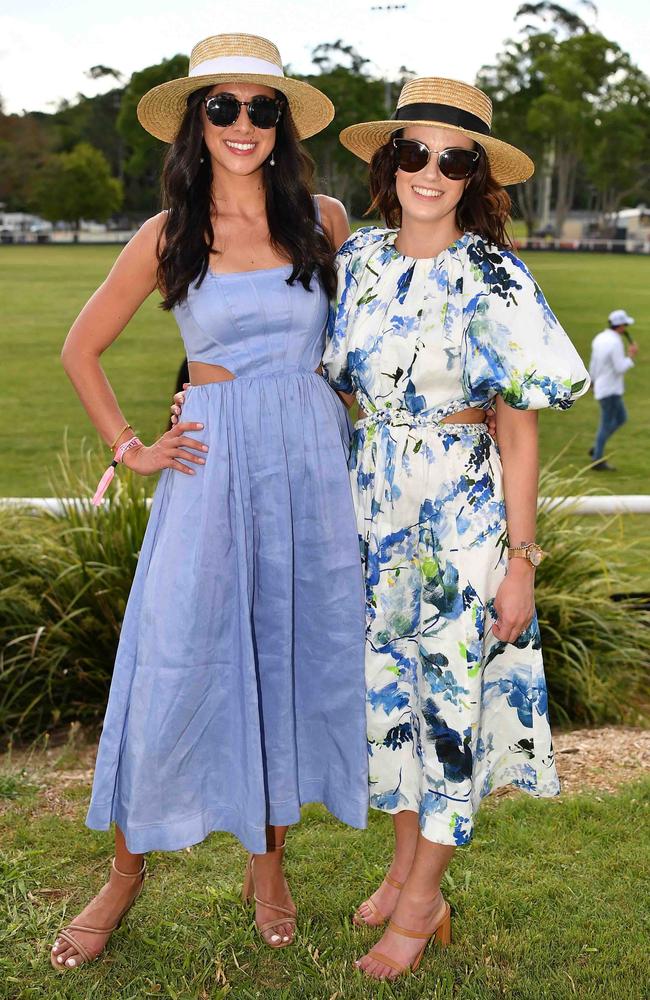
x=455, y=163
x=224, y=109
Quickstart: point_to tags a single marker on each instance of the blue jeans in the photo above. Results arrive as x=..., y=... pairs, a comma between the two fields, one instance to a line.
x=612, y=416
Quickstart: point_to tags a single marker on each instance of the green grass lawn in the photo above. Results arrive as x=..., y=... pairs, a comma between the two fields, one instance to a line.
x=42, y=289
x=548, y=904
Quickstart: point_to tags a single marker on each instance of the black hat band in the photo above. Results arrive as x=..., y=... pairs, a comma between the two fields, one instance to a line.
x=442, y=113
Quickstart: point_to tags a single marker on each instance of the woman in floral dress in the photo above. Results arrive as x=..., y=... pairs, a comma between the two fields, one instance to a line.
x=435, y=320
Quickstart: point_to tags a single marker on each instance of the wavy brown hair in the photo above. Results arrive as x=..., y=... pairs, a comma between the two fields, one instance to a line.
x=188, y=233
x=483, y=209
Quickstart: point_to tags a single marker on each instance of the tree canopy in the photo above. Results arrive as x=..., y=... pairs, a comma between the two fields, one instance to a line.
x=77, y=185
x=561, y=90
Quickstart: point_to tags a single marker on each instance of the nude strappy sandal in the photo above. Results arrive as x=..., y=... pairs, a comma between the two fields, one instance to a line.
x=376, y=912
x=66, y=934
x=248, y=894
x=441, y=933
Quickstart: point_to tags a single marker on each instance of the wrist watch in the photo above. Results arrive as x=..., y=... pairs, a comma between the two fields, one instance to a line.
x=528, y=550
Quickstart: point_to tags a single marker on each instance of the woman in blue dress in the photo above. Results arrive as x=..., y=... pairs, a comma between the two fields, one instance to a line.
x=435, y=319
x=238, y=687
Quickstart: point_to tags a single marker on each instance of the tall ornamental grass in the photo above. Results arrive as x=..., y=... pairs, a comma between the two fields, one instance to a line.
x=65, y=579
x=64, y=582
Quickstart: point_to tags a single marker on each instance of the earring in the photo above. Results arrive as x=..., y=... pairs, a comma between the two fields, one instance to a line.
x=272, y=160
x=202, y=160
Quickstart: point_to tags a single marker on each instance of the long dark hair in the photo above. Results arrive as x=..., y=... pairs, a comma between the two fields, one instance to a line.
x=483, y=209
x=188, y=232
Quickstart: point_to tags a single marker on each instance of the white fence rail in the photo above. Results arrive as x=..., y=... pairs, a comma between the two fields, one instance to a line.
x=631, y=244
x=621, y=504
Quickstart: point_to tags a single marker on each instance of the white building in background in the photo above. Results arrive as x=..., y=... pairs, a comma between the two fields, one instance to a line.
x=635, y=222
x=21, y=222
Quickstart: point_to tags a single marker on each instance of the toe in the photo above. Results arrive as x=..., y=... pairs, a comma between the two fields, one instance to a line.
x=64, y=952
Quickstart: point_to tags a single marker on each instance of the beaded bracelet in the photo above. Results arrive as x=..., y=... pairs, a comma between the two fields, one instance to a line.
x=105, y=481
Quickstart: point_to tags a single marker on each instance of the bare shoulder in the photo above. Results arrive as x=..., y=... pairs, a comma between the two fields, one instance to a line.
x=335, y=219
x=332, y=209
x=137, y=264
x=150, y=233
x=142, y=249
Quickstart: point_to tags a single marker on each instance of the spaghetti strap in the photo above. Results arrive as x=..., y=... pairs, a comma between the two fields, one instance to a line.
x=317, y=211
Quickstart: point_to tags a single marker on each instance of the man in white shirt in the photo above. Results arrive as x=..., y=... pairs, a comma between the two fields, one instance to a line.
x=607, y=368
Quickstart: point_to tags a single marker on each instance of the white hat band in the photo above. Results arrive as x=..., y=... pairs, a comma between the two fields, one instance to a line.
x=237, y=64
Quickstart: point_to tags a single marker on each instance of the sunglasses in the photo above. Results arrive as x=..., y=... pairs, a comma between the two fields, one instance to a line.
x=224, y=109
x=455, y=163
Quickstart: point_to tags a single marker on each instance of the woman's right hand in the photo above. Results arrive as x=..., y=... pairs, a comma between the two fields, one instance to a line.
x=167, y=452
x=177, y=406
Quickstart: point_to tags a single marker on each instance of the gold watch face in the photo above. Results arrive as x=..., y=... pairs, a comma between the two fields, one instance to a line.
x=535, y=555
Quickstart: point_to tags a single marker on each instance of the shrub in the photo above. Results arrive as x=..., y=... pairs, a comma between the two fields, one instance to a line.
x=596, y=649
x=65, y=579
x=64, y=582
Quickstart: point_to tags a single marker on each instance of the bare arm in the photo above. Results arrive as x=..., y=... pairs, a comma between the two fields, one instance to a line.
x=100, y=322
x=517, y=433
x=335, y=220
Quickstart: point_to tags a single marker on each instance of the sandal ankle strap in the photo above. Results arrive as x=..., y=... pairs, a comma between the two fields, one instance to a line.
x=130, y=874
x=271, y=850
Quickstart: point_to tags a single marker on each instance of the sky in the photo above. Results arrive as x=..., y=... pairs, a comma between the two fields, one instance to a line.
x=46, y=48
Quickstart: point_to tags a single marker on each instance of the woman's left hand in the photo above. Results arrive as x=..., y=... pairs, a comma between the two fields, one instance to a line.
x=491, y=422
x=179, y=401
x=515, y=601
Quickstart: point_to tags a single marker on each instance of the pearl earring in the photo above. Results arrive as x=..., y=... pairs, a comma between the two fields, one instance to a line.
x=272, y=160
x=202, y=160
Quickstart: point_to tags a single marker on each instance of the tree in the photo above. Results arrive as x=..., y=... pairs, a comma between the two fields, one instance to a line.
x=77, y=185
x=619, y=158
x=98, y=72
x=554, y=93
x=92, y=120
x=25, y=142
x=145, y=154
x=356, y=97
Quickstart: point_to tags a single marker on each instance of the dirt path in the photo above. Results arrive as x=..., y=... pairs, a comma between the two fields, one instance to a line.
x=599, y=760
x=588, y=760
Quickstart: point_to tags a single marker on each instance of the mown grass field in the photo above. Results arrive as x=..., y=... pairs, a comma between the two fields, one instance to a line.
x=42, y=288
x=548, y=904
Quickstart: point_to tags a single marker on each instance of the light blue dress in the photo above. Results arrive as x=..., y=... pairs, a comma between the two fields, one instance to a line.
x=238, y=690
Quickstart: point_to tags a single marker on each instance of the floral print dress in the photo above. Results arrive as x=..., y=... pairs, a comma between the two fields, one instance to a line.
x=452, y=712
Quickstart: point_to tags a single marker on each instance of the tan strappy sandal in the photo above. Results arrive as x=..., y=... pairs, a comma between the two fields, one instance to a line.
x=376, y=912
x=248, y=895
x=67, y=935
x=441, y=933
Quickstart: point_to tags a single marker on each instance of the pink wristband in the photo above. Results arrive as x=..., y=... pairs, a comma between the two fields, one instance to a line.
x=106, y=479
x=131, y=443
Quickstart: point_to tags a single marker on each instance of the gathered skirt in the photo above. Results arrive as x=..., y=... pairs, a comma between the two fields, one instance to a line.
x=452, y=711
x=238, y=688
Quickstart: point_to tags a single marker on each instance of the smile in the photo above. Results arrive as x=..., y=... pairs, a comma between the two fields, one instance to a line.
x=427, y=192
x=241, y=147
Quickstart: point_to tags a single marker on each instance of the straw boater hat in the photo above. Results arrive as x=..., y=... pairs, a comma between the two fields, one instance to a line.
x=432, y=100
x=233, y=59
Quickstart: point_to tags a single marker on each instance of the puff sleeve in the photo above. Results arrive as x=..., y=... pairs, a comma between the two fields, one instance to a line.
x=350, y=262
x=513, y=345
